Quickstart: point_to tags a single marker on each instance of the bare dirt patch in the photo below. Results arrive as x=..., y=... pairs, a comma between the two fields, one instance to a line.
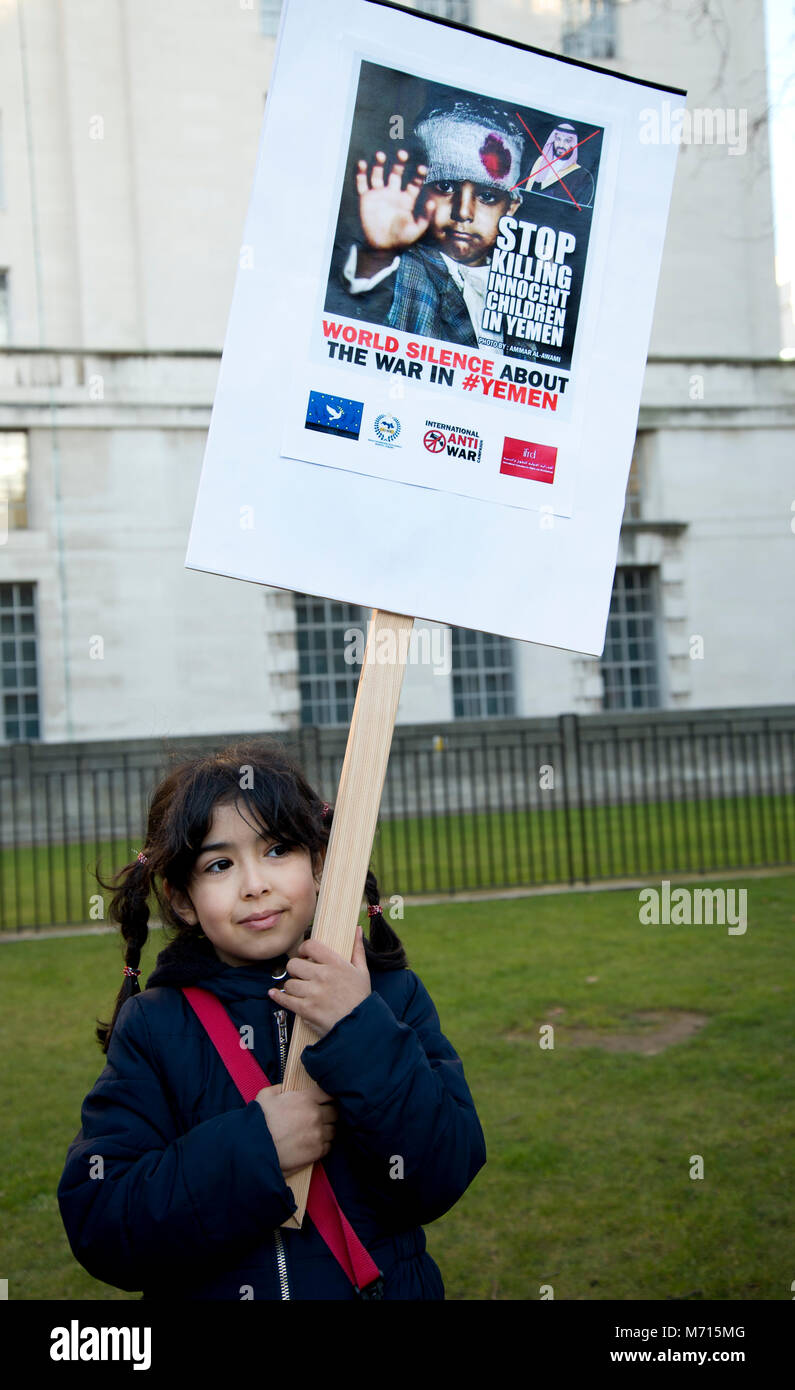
x=658, y=1029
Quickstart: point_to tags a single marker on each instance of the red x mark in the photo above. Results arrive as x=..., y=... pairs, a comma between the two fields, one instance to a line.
x=548, y=163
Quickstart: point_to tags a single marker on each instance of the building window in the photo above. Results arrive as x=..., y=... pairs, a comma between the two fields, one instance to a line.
x=13, y=481
x=327, y=681
x=460, y=10
x=589, y=29
x=630, y=667
x=19, y=667
x=5, y=311
x=269, y=13
x=483, y=675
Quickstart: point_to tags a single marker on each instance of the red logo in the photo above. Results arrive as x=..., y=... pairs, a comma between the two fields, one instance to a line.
x=525, y=460
x=434, y=441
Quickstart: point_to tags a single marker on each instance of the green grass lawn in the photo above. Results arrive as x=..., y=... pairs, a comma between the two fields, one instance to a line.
x=587, y=1185
x=443, y=853
x=453, y=853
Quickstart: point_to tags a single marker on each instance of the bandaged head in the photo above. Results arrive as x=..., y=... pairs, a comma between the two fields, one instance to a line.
x=471, y=139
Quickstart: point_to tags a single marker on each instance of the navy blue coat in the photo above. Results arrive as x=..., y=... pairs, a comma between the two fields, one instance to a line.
x=191, y=1196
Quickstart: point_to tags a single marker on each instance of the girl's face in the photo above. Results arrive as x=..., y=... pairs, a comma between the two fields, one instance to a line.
x=253, y=898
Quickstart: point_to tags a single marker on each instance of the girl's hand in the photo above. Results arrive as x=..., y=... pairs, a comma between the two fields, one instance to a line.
x=323, y=987
x=301, y=1124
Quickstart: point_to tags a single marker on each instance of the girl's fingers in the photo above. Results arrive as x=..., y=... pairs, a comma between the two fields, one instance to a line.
x=377, y=179
x=296, y=1006
x=299, y=968
x=298, y=988
x=361, y=177
x=318, y=952
x=286, y=999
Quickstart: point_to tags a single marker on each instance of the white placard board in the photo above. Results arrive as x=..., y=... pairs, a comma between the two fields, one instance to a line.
x=441, y=427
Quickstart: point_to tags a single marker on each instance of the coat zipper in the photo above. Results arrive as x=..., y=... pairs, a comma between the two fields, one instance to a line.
x=281, y=1024
x=281, y=1258
x=281, y=1262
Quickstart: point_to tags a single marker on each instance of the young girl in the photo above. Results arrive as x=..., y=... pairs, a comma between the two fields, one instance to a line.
x=175, y=1185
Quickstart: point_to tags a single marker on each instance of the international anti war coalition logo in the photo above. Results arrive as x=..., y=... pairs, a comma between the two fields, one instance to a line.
x=459, y=443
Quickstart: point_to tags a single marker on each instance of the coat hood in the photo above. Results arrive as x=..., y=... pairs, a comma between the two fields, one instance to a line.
x=188, y=960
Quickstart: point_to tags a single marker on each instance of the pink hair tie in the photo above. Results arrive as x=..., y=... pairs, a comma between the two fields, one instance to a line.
x=373, y=909
x=326, y=809
x=142, y=859
x=133, y=974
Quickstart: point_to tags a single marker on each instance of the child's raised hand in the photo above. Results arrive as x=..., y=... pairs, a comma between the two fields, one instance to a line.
x=323, y=987
x=386, y=208
x=301, y=1123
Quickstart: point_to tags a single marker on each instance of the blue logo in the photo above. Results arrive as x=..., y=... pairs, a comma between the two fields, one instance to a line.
x=334, y=415
x=387, y=428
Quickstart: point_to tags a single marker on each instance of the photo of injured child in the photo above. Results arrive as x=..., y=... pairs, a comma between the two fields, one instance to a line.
x=421, y=218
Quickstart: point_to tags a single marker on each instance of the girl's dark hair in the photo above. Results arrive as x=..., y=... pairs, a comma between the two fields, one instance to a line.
x=261, y=774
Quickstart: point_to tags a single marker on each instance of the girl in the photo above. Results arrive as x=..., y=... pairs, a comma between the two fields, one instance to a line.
x=175, y=1185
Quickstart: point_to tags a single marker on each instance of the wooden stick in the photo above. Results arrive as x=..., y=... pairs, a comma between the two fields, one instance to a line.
x=353, y=827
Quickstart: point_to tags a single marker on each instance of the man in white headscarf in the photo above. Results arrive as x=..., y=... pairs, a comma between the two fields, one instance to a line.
x=557, y=174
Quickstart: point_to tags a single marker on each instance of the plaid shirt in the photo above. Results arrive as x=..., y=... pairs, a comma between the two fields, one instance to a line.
x=420, y=298
x=427, y=300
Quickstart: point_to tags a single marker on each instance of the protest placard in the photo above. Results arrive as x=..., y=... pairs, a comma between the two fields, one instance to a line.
x=431, y=377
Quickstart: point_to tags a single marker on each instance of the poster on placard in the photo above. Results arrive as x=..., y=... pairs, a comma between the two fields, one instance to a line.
x=439, y=327
x=459, y=269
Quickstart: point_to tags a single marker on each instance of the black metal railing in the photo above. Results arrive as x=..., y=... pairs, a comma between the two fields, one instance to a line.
x=467, y=805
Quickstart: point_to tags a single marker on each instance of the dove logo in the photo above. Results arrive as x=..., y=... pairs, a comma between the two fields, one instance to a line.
x=334, y=415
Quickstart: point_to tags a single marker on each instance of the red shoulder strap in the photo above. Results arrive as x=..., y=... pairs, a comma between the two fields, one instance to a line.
x=238, y=1059
x=248, y=1076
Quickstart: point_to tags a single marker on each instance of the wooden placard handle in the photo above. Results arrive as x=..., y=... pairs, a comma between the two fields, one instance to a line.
x=353, y=827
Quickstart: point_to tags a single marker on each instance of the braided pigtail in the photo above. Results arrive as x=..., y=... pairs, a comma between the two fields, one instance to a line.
x=129, y=907
x=385, y=944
